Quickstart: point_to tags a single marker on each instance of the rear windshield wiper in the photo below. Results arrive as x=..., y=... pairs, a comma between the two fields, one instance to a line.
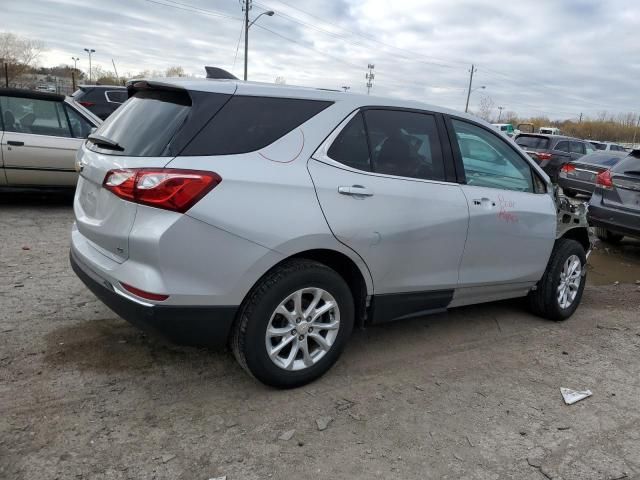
x=105, y=142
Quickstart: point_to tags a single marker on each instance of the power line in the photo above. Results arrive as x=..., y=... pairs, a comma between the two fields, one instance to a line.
x=190, y=8
x=235, y=57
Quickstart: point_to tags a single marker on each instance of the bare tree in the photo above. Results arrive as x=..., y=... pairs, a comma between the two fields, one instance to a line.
x=280, y=81
x=175, y=71
x=19, y=53
x=486, y=108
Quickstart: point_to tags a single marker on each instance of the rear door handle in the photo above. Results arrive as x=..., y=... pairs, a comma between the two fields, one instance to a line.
x=15, y=143
x=355, y=190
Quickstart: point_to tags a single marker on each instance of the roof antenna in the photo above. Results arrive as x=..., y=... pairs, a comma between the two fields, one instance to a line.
x=215, y=72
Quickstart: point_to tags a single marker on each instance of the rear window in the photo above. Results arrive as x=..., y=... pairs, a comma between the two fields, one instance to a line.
x=605, y=159
x=246, y=124
x=599, y=146
x=145, y=125
x=533, y=142
x=629, y=165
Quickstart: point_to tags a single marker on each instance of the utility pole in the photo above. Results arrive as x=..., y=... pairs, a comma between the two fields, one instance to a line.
x=500, y=113
x=116, y=71
x=472, y=71
x=580, y=119
x=370, y=76
x=247, y=6
x=345, y=88
x=6, y=73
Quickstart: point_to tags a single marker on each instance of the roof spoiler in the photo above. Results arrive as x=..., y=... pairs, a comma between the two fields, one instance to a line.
x=215, y=72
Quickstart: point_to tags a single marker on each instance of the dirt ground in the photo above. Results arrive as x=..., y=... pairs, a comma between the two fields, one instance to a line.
x=473, y=394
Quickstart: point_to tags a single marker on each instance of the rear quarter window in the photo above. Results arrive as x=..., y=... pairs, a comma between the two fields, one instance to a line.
x=247, y=123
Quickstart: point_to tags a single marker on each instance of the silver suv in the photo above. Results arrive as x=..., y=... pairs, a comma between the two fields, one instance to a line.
x=275, y=218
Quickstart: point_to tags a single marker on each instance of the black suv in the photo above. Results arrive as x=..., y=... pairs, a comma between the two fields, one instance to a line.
x=102, y=100
x=553, y=151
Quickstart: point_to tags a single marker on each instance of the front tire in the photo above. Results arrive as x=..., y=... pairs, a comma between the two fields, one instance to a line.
x=559, y=291
x=294, y=324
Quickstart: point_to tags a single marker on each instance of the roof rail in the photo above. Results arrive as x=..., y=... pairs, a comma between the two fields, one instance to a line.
x=215, y=72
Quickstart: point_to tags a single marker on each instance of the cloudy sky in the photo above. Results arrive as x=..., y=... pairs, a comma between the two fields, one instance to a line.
x=535, y=57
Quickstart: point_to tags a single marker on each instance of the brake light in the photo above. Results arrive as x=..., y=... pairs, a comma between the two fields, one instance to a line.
x=166, y=188
x=568, y=167
x=543, y=156
x=158, y=297
x=603, y=179
x=87, y=104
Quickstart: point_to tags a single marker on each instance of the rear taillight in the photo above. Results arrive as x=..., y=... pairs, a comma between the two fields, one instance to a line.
x=543, y=156
x=158, y=297
x=568, y=167
x=603, y=179
x=87, y=104
x=166, y=188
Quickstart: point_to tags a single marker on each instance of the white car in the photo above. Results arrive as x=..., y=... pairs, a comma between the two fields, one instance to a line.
x=275, y=218
x=40, y=134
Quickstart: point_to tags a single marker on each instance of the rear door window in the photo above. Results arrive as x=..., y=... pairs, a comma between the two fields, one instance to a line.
x=247, y=123
x=562, y=147
x=405, y=144
x=577, y=147
x=350, y=146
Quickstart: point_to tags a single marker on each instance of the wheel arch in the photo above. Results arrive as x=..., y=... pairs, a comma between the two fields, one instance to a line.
x=352, y=270
x=580, y=235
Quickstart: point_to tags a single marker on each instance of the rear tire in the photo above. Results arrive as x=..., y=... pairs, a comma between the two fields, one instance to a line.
x=570, y=193
x=559, y=291
x=608, y=236
x=273, y=317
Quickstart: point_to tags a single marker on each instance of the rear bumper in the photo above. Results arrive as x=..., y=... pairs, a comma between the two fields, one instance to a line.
x=615, y=220
x=207, y=326
x=579, y=186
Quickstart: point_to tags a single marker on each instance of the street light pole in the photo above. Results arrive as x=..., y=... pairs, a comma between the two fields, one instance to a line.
x=500, y=113
x=89, y=51
x=247, y=25
x=75, y=70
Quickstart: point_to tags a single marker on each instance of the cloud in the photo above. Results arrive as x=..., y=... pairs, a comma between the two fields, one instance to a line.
x=536, y=58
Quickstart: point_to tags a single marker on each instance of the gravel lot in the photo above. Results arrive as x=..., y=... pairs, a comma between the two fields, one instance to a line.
x=472, y=394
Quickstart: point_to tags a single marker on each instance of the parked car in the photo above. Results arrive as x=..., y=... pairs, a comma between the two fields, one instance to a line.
x=553, y=151
x=268, y=217
x=40, y=134
x=505, y=128
x=614, y=208
x=102, y=100
x=579, y=176
x=608, y=146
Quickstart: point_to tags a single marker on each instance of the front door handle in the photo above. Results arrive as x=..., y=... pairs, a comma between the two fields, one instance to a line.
x=15, y=143
x=484, y=202
x=355, y=190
